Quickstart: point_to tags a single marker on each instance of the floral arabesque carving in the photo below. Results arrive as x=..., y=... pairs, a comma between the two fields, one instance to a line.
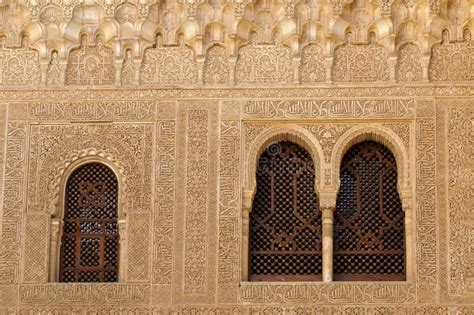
x=54, y=74
x=292, y=133
x=360, y=63
x=19, y=66
x=452, y=61
x=312, y=67
x=91, y=65
x=168, y=65
x=460, y=127
x=216, y=65
x=84, y=155
x=128, y=69
x=264, y=64
x=409, y=67
x=380, y=134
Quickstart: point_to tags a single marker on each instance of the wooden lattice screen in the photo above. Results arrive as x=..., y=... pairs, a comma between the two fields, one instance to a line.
x=285, y=222
x=369, y=233
x=90, y=241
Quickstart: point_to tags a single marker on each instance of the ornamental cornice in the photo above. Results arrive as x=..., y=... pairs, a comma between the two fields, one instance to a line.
x=285, y=42
x=154, y=94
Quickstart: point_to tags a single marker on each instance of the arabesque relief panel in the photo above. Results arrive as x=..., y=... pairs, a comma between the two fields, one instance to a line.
x=52, y=148
x=454, y=130
x=183, y=162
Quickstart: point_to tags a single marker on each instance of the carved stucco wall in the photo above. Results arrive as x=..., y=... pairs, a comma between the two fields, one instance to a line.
x=227, y=42
x=183, y=156
x=161, y=90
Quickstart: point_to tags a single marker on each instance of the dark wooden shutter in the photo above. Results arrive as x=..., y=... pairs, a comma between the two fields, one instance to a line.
x=285, y=222
x=90, y=241
x=369, y=229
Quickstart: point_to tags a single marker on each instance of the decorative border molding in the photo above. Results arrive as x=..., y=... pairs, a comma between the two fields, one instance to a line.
x=74, y=161
x=377, y=133
x=372, y=91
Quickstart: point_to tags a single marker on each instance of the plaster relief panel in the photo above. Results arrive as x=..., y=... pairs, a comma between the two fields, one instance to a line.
x=360, y=63
x=105, y=111
x=197, y=203
x=169, y=65
x=427, y=230
x=312, y=67
x=90, y=64
x=452, y=61
x=14, y=201
x=461, y=200
x=54, y=295
x=165, y=203
x=216, y=66
x=53, y=147
x=409, y=64
x=317, y=108
x=264, y=64
x=328, y=293
x=228, y=276
x=19, y=66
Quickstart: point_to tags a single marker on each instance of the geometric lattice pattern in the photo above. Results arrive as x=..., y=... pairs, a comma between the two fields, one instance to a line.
x=285, y=222
x=90, y=241
x=369, y=227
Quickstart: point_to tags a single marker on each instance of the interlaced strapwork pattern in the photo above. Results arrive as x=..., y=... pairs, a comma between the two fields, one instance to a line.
x=285, y=222
x=369, y=231
x=90, y=242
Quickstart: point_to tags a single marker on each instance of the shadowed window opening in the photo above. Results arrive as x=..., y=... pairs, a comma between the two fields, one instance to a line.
x=285, y=222
x=369, y=228
x=90, y=241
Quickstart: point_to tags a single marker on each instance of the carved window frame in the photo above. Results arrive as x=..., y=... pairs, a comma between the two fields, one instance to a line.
x=292, y=133
x=57, y=219
x=327, y=194
x=404, y=160
x=302, y=205
x=357, y=207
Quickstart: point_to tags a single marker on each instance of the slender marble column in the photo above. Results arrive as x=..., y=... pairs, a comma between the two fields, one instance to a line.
x=246, y=208
x=328, y=226
x=56, y=228
x=123, y=263
x=409, y=245
x=327, y=203
x=245, y=244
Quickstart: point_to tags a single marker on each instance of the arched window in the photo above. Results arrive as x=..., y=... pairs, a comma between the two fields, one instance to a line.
x=369, y=230
x=90, y=241
x=285, y=222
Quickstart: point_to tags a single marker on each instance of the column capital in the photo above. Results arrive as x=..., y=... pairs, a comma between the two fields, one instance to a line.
x=327, y=199
x=247, y=198
x=407, y=199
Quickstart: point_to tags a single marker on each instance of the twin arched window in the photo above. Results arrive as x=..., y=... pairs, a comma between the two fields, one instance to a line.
x=285, y=222
x=90, y=240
